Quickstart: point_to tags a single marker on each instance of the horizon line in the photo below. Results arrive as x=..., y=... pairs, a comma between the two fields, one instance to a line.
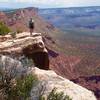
x=48, y=7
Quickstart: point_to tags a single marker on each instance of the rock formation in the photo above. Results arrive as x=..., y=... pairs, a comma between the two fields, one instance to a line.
x=47, y=81
x=50, y=80
x=32, y=47
x=70, y=66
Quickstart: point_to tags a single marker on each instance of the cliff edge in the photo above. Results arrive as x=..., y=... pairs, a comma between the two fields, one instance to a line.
x=33, y=47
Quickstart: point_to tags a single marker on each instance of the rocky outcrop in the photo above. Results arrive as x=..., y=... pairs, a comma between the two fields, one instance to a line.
x=50, y=80
x=19, y=44
x=64, y=64
x=47, y=81
x=30, y=46
x=12, y=67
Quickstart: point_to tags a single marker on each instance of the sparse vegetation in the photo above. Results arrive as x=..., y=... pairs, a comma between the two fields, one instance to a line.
x=13, y=34
x=54, y=95
x=23, y=87
x=16, y=89
x=4, y=29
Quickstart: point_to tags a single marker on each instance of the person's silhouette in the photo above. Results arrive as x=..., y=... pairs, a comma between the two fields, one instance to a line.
x=31, y=26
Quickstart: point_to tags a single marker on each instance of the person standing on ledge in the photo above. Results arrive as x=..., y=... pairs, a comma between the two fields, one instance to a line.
x=31, y=26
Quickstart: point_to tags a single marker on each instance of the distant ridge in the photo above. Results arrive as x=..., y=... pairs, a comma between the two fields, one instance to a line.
x=73, y=55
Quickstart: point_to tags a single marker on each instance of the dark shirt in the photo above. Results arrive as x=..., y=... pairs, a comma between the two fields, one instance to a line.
x=31, y=24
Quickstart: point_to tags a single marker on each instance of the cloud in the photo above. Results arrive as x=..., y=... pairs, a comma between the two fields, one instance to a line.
x=37, y=1
x=55, y=3
x=48, y=2
x=4, y=0
x=58, y=2
x=23, y=1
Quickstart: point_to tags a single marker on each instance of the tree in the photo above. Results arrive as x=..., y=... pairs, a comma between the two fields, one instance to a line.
x=4, y=29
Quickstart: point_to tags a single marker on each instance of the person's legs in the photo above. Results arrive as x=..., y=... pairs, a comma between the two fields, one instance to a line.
x=31, y=31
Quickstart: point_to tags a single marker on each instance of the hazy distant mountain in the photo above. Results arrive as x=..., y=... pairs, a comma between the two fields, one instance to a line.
x=86, y=19
x=81, y=37
x=5, y=9
x=73, y=54
x=72, y=10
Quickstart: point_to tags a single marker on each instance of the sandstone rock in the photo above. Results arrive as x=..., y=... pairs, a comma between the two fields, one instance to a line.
x=47, y=81
x=4, y=38
x=10, y=66
x=30, y=46
x=33, y=43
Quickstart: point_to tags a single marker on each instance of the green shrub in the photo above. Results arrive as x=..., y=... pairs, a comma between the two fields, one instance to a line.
x=23, y=87
x=54, y=95
x=4, y=29
x=17, y=89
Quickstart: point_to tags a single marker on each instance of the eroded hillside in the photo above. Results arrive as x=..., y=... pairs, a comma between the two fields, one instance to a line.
x=63, y=58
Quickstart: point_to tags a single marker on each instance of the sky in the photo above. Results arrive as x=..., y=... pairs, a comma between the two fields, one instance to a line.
x=47, y=3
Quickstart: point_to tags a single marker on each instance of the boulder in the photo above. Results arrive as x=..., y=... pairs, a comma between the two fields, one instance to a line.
x=17, y=45
x=11, y=66
x=48, y=80
x=30, y=46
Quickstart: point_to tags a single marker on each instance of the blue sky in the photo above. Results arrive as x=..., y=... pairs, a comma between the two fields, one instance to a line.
x=48, y=3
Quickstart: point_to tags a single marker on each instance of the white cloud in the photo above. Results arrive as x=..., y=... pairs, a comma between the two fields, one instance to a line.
x=22, y=0
x=59, y=2
x=37, y=1
x=49, y=2
x=56, y=3
x=4, y=0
